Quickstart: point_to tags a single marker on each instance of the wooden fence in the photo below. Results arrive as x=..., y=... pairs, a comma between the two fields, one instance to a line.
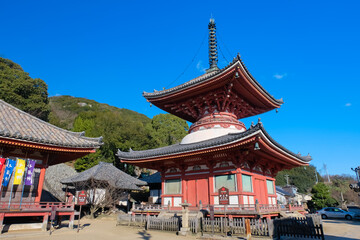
x=164, y=224
x=309, y=227
x=258, y=227
x=150, y=222
x=131, y=220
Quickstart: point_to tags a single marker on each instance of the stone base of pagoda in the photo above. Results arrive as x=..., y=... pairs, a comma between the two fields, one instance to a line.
x=184, y=231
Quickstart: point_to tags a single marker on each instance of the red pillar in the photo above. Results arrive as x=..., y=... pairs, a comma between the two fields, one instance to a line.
x=183, y=189
x=40, y=185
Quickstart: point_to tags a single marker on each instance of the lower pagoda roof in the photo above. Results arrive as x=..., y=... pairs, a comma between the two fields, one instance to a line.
x=256, y=133
x=18, y=126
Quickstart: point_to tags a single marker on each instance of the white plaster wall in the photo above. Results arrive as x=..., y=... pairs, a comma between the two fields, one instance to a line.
x=205, y=134
x=234, y=200
x=166, y=201
x=177, y=201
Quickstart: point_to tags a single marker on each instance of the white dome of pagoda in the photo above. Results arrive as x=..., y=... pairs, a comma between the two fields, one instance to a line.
x=206, y=134
x=213, y=126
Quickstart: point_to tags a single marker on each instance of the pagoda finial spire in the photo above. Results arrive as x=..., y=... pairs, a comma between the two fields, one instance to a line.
x=213, y=57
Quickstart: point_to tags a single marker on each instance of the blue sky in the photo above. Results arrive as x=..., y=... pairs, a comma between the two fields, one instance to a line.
x=306, y=52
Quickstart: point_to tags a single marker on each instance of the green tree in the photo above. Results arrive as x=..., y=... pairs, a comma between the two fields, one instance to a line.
x=123, y=131
x=302, y=177
x=168, y=129
x=322, y=197
x=22, y=91
x=119, y=131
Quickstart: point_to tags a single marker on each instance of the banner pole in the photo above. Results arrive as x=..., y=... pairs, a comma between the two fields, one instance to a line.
x=12, y=185
x=23, y=182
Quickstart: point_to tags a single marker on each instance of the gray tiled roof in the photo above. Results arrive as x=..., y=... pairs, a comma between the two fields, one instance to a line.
x=18, y=125
x=207, y=77
x=106, y=172
x=215, y=142
x=282, y=191
x=53, y=175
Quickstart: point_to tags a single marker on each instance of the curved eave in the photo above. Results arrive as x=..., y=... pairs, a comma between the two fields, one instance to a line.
x=210, y=77
x=21, y=126
x=209, y=81
x=32, y=145
x=257, y=133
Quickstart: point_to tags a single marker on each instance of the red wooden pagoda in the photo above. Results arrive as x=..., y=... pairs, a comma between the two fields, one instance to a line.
x=219, y=150
x=27, y=137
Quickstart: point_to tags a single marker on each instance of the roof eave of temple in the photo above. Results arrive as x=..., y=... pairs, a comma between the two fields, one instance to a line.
x=207, y=77
x=47, y=147
x=87, y=142
x=226, y=142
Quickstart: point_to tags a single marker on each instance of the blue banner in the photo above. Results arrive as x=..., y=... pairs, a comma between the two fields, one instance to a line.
x=10, y=165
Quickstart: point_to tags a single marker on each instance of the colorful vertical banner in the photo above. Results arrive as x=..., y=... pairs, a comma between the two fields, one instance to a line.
x=2, y=163
x=29, y=172
x=19, y=171
x=10, y=165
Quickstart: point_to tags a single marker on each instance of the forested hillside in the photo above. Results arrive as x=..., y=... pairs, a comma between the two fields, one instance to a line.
x=65, y=109
x=22, y=91
x=120, y=128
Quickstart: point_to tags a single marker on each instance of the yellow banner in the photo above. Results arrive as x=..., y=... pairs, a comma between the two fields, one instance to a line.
x=19, y=171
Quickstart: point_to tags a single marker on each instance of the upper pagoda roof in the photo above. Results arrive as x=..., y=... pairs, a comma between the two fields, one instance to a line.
x=21, y=126
x=248, y=92
x=216, y=144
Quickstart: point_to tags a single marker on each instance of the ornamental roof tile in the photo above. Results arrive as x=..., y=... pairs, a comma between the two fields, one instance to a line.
x=18, y=125
x=106, y=172
x=207, y=144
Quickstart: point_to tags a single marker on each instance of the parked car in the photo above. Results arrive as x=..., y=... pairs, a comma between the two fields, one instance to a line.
x=354, y=209
x=332, y=212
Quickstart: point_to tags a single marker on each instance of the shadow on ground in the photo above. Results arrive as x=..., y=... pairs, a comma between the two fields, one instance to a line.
x=144, y=235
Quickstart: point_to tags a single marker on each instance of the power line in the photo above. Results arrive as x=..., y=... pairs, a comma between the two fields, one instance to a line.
x=222, y=54
x=226, y=48
x=192, y=60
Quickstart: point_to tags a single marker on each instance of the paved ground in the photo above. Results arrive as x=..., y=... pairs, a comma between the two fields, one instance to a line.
x=107, y=229
x=95, y=230
x=336, y=229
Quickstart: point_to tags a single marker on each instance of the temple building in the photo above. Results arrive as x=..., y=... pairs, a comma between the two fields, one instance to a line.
x=23, y=136
x=219, y=150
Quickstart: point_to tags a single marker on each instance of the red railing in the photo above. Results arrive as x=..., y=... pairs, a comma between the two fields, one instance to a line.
x=36, y=206
x=267, y=208
x=239, y=208
x=296, y=208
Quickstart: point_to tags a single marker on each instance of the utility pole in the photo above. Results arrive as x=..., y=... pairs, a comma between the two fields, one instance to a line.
x=287, y=179
x=356, y=186
x=327, y=174
x=316, y=177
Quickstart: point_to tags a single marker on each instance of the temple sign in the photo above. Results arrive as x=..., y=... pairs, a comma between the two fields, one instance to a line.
x=223, y=196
